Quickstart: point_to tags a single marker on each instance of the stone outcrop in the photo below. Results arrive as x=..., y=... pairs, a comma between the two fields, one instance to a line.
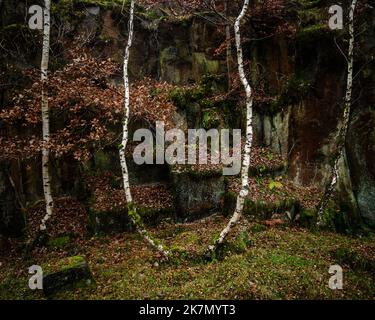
x=304, y=77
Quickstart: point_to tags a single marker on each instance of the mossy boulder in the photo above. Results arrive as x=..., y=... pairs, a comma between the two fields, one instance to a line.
x=260, y=209
x=204, y=66
x=197, y=194
x=109, y=222
x=118, y=220
x=175, y=63
x=66, y=273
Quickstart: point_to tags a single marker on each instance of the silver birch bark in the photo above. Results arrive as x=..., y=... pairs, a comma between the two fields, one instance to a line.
x=249, y=134
x=346, y=117
x=125, y=173
x=45, y=117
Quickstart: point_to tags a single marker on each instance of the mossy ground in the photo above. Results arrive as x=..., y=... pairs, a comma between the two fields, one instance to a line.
x=259, y=263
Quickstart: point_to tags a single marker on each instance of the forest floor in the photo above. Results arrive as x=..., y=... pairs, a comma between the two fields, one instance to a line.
x=261, y=261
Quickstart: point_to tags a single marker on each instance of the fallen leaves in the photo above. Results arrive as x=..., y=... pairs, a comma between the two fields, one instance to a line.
x=107, y=198
x=69, y=217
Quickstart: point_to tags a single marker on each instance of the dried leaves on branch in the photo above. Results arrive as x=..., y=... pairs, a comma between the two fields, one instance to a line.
x=86, y=106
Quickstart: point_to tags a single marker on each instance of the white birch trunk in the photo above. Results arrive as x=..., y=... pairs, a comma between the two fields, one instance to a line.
x=45, y=117
x=249, y=134
x=124, y=167
x=346, y=117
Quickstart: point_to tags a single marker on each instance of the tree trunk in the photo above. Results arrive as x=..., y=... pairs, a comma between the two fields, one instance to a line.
x=346, y=117
x=249, y=135
x=136, y=219
x=45, y=117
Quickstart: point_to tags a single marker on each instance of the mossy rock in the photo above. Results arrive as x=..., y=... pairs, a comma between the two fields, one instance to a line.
x=336, y=217
x=154, y=216
x=109, y=222
x=65, y=274
x=197, y=194
x=274, y=171
x=295, y=89
x=260, y=209
x=265, y=210
x=211, y=119
x=118, y=220
x=204, y=66
x=183, y=98
x=308, y=217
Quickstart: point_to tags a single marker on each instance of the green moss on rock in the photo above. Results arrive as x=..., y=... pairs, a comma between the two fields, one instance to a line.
x=65, y=274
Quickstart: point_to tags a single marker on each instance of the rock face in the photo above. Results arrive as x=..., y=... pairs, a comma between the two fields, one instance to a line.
x=12, y=221
x=361, y=150
x=67, y=273
x=304, y=79
x=197, y=194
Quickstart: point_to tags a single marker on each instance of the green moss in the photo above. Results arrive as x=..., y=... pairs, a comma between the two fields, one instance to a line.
x=153, y=216
x=211, y=119
x=265, y=210
x=214, y=82
x=63, y=264
x=204, y=66
x=59, y=242
x=184, y=98
x=308, y=218
x=242, y=242
x=293, y=91
x=134, y=215
x=289, y=260
x=258, y=228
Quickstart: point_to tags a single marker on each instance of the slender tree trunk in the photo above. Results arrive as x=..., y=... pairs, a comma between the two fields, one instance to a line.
x=346, y=117
x=136, y=219
x=45, y=117
x=249, y=135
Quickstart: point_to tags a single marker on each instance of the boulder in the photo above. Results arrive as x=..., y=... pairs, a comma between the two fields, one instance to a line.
x=66, y=273
x=197, y=194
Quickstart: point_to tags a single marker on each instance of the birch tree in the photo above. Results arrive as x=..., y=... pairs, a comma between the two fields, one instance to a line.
x=345, y=122
x=45, y=117
x=132, y=211
x=249, y=135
